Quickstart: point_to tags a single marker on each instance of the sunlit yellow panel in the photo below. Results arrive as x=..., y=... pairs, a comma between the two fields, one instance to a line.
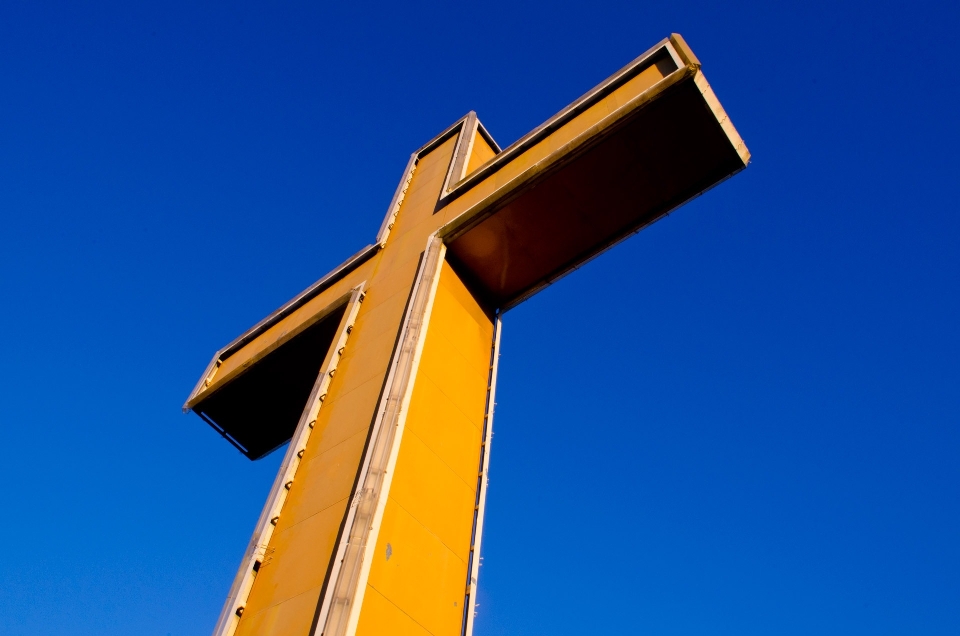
x=360, y=364
x=457, y=377
x=427, y=488
x=386, y=618
x=295, y=563
x=423, y=547
x=344, y=417
x=284, y=618
x=422, y=577
x=482, y=153
x=455, y=442
x=324, y=481
x=424, y=189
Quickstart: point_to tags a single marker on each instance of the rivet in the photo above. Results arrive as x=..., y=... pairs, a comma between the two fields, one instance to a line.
x=288, y=484
x=240, y=611
x=300, y=454
x=274, y=520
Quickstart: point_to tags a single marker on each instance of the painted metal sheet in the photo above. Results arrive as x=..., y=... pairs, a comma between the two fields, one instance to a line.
x=424, y=544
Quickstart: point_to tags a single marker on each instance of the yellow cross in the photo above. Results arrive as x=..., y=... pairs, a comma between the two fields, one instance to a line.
x=381, y=375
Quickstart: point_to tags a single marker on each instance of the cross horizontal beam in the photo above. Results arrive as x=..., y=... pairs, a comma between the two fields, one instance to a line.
x=622, y=173
x=641, y=143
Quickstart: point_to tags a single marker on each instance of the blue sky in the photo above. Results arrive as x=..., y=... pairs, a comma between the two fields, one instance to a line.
x=743, y=420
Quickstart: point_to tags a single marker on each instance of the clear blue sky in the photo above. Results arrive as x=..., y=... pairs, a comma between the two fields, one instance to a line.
x=742, y=421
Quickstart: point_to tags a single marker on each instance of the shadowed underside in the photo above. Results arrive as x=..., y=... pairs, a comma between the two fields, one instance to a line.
x=259, y=410
x=652, y=162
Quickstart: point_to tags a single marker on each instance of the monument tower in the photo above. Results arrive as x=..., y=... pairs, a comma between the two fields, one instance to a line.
x=380, y=376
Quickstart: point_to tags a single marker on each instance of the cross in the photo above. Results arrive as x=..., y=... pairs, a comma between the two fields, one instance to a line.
x=380, y=376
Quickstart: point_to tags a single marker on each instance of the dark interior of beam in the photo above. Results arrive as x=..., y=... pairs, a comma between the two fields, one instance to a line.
x=669, y=151
x=258, y=411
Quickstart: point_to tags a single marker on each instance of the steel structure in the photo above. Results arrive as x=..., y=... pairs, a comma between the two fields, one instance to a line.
x=380, y=377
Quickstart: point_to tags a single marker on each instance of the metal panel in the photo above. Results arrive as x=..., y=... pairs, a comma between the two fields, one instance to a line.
x=480, y=153
x=339, y=608
x=256, y=552
x=425, y=544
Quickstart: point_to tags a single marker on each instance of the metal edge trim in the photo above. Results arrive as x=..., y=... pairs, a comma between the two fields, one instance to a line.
x=595, y=94
x=394, y=208
x=474, y=573
x=722, y=117
x=461, y=151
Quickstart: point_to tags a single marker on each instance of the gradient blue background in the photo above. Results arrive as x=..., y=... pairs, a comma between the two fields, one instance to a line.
x=742, y=421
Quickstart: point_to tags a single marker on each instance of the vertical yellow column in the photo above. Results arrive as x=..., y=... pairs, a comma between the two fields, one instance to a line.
x=418, y=575
x=287, y=589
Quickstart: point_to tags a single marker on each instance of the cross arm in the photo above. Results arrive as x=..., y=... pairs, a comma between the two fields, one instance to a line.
x=265, y=374
x=648, y=139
